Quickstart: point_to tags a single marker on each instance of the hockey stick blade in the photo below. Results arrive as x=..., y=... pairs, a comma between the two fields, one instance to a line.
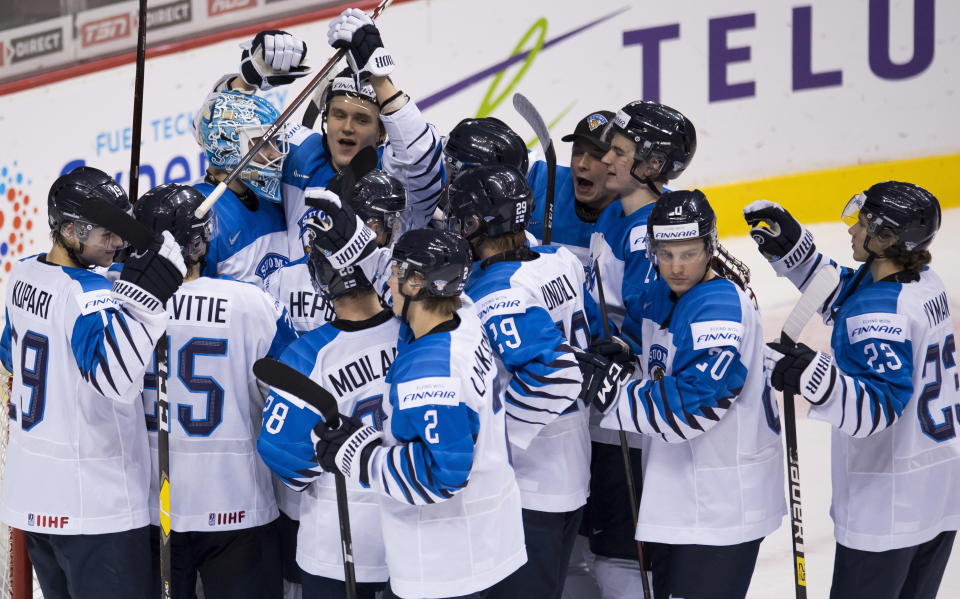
x=533, y=118
x=115, y=220
x=820, y=288
x=292, y=381
x=525, y=108
x=271, y=133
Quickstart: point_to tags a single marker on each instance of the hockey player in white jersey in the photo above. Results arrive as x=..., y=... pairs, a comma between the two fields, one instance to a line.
x=450, y=503
x=713, y=461
x=77, y=463
x=889, y=389
x=350, y=356
x=223, y=511
x=531, y=303
x=379, y=200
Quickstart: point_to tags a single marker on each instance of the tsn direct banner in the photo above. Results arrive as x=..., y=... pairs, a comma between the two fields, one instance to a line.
x=803, y=104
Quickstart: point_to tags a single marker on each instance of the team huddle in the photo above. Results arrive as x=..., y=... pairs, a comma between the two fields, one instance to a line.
x=510, y=369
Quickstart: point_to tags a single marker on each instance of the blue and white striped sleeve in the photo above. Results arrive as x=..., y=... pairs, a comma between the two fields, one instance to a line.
x=437, y=433
x=284, y=442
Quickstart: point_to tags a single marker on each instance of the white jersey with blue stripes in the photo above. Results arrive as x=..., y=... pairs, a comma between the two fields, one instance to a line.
x=712, y=457
x=77, y=460
x=349, y=359
x=533, y=311
x=894, y=405
x=292, y=286
x=450, y=504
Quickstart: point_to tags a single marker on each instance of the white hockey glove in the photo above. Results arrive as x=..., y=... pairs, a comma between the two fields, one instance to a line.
x=799, y=370
x=348, y=448
x=273, y=58
x=339, y=233
x=355, y=31
x=777, y=234
x=149, y=279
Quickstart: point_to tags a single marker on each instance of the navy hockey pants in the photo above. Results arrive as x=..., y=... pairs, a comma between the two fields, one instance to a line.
x=607, y=520
x=115, y=565
x=289, y=528
x=388, y=594
x=908, y=573
x=549, y=539
x=329, y=588
x=702, y=571
x=232, y=564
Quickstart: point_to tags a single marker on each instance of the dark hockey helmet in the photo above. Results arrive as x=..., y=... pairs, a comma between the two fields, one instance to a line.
x=171, y=207
x=489, y=201
x=441, y=257
x=680, y=216
x=659, y=132
x=71, y=190
x=379, y=197
x=907, y=211
x=331, y=282
x=486, y=140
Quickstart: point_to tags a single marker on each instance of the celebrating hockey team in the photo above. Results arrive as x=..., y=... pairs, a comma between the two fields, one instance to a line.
x=357, y=358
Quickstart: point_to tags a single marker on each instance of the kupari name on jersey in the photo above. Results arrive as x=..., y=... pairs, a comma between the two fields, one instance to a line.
x=201, y=308
x=558, y=291
x=32, y=299
x=362, y=371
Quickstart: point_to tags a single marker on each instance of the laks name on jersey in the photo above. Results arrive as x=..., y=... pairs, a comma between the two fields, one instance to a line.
x=47, y=521
x=32, y=299
x=226, y=518
x=362, y=370
x=188, y=307
x=558, y=291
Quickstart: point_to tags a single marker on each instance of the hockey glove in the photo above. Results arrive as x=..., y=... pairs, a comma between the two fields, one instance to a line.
x=273, y=58
x=777, y=234
x=799, y=370
x=614, y=349
x=347, y=448
x=151, y=278
x=355, y=31
x=602, y=379
x=338, y=232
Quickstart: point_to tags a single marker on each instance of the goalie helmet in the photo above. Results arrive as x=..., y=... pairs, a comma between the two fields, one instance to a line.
x=486, y=140
x=658, y=132
x=441, y=257
x=681, y=216
x=229, y=125
x=171, y=207
x=905, y=210
x=71, y=190
x=489, y=201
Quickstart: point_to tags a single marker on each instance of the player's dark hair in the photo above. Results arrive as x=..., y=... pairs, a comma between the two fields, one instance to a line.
x=732, y=269
x=505, y=243
x=913, y=261
x=444, y=306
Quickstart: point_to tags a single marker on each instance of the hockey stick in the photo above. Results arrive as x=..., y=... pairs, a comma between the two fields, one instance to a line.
x=161, y=353
x=118, y=222
x=138, y=103
x=533, y=118
x=817, y=292
x=292, y=381
x=279, y=123
x=624, y=446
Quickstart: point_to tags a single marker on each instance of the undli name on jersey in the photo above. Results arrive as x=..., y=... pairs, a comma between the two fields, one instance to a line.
x=558, y=291
x=362, y=371
x=32, y=299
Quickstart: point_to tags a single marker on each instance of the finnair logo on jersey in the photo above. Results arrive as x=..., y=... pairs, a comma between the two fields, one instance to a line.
x=507, y=302
x=716, y=333
x=430, y=391
x=270, y=263
x=638, y=239
x=878, y=325
x=675, y=232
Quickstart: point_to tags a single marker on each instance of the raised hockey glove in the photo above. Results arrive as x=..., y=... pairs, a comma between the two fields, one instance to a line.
x=347, y=448
x=338, y=232
x=799, y=370
x=613, y=349
x=273, y=58
x=151, y=278
x=602, y=379
x=355, y=31
x=777, y=234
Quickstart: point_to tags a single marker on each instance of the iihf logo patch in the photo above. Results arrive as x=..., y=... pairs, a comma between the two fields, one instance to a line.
x=213, y=520
x=30, y=520
x=657, y=363
x=596, y=120
x=270, y=263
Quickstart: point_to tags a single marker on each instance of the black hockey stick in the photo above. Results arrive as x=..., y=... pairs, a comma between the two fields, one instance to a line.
x=302, y=97
x=119, y=222
x=161, y=353
x=624, y=446
x=292, y=381
x=138, y=103
x=533, y=118
x=819, y=289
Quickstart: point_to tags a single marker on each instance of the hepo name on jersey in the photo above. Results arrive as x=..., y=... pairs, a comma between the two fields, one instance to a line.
x=877, y=325
x=438, y=391
x=716, y=333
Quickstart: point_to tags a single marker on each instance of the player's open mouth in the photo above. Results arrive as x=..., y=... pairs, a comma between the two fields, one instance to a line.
x=584, y=185
x=347, y=143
